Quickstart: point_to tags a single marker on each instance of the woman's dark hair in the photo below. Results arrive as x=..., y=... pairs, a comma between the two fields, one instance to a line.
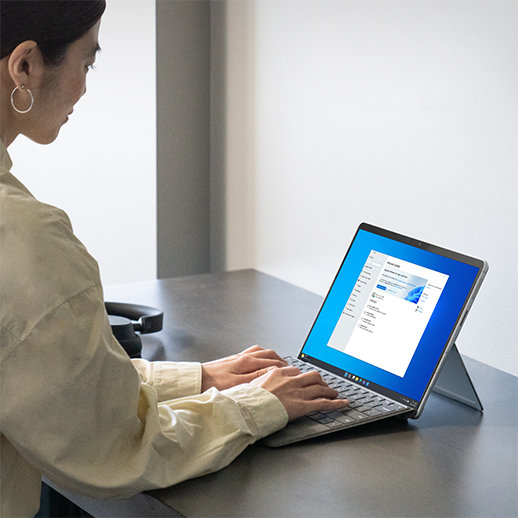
x=52, y=24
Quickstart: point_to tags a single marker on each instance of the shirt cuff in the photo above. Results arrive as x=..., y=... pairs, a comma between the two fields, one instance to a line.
x=263, y=411
x=171, y=380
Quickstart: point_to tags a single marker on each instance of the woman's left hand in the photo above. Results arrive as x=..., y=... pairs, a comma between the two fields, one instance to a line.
x=239, y=368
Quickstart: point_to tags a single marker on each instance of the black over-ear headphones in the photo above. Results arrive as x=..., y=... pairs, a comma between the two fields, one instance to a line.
x=127, y=319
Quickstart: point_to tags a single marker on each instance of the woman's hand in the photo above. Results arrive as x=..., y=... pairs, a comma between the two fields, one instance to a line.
x=239, y=368
x=300, y=394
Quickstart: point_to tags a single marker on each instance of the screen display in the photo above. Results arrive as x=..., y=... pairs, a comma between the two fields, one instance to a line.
x=390, y=311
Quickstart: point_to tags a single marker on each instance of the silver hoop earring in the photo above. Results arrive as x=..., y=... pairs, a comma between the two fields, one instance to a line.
x=12, y=100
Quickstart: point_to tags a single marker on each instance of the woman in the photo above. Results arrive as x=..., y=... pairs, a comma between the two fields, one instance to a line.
x=74, y=407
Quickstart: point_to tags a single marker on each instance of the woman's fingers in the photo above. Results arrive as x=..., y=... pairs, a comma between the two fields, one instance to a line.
x=311, y=378
x=247, y=364
x=291, y=371
x=317, y=391
x=259, y=352
x=300, y=393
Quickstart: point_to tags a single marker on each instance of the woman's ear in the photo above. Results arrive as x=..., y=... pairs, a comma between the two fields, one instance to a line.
x=25, y=65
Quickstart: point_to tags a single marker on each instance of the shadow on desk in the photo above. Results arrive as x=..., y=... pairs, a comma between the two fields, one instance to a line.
x=55, y=505
x=153, y=349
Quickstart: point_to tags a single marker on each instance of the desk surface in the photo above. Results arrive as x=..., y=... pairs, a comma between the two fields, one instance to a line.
x=453, y=461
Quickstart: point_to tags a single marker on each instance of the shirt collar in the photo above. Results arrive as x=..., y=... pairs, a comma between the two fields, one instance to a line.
x=5, y=159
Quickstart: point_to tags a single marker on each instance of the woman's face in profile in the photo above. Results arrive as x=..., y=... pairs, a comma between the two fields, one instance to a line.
x=63, y=87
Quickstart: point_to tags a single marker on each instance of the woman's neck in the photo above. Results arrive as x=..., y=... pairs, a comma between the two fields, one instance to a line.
x=7, y=135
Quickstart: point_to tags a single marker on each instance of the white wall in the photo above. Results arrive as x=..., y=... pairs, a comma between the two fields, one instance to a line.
x=399, y=113
x=102, y=168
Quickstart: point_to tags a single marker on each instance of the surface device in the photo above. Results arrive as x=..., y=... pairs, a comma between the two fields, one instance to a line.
x=386, y=329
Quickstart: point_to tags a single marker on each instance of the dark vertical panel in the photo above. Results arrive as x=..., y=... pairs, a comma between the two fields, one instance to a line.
x=183, y=137
x=217, y=136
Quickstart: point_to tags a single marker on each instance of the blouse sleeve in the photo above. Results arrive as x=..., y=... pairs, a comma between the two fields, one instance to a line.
x=94, y=425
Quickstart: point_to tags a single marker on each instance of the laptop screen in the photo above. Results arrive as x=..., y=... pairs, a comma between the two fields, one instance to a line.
x=390, y=312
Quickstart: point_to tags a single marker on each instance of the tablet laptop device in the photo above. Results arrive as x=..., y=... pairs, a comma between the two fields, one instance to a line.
x=385, y=328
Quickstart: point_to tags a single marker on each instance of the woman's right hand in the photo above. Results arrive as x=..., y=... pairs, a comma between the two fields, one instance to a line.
x=300, y=394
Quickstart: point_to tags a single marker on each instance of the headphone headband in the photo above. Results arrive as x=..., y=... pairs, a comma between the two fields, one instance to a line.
x=145, y=319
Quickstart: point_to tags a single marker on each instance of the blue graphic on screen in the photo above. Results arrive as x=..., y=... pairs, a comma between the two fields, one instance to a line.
x=411, y=288
x=381, y=276
x=415, y=294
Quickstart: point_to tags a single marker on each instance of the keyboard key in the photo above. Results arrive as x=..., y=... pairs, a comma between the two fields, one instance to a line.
x=335, y=414
x=334, y=424
x=325, y=420
x=345, y=419
x=353, y=414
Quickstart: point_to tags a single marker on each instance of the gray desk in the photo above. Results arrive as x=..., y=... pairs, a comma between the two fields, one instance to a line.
x=453, y=461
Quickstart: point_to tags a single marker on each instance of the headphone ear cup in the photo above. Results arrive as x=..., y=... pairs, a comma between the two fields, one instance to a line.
x=122, y=329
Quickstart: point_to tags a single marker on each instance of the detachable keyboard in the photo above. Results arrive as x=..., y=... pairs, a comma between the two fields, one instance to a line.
x=365, y=406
